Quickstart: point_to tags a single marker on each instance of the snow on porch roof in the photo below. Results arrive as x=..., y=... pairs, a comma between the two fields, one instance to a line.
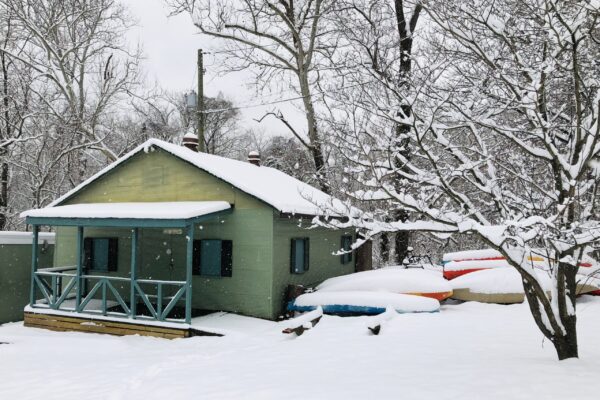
x=281, y=191
x=179, y=210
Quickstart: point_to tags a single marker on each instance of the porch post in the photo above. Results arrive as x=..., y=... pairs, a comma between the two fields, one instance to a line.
x=133, y=275
x=34, y=263
x=188, y=275
x=79, y=268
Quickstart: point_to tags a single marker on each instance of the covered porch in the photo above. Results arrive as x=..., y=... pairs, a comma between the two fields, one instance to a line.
x=88, y=289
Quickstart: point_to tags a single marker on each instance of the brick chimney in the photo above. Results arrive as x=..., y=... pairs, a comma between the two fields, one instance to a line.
x=254, y=158
x=190, y=140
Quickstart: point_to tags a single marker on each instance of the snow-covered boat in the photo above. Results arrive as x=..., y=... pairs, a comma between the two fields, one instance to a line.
x=417, y=282
x=362, y=302
x=500, y=286
x=464, y=262
x=505, y=286
x=455, y=269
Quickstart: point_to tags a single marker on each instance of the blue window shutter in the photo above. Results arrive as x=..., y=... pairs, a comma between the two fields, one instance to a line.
x=299, y=256
x=113, y=254
x=306, y=254
x=226, y=258
x=100, y=254
x=346, y=246
x=196, y=257
x=87, y=253
x=210, y=257
x=293, y=268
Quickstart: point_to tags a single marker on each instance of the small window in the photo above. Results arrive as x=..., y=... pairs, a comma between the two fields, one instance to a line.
x=213, y=257
x=299, y=255
x=100, y=254
x=346, y=246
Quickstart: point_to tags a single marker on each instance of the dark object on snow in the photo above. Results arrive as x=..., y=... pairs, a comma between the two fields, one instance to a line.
x=300, y=329
x=416, y=261
x=294, y=291
x=364, y=257
x=375, y=329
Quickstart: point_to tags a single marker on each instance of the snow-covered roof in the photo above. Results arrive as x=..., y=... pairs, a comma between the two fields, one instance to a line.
x=281, y=191
x=150, y=210
x=12, y=237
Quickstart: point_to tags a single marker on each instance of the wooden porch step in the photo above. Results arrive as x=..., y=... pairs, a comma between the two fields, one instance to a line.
x=83, y=324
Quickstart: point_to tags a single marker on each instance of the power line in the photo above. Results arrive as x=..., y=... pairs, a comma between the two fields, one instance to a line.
x=240, y=49
x=213, y=111
x=194, y=77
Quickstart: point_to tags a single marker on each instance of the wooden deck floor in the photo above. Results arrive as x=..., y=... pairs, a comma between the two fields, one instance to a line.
x=112, y=327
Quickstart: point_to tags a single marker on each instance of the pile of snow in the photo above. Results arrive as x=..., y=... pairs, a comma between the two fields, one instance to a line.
x=363, y=302
x=382, y=318
x=305, y=320
x=391, y=279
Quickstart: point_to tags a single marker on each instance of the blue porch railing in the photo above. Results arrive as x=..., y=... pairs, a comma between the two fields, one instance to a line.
x=157, y=310
x=55, y=292
x=50, y=283
x=59, y=287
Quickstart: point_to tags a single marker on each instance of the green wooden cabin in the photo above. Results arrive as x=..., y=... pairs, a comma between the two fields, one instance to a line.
x=15, y=270
x=166, y=233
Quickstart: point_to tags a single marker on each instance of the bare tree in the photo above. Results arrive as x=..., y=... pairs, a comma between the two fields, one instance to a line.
x=505, y=137
x=78, y=49
x=66, y=71
x=282, y=41
x=15, y=80
x=376, y=43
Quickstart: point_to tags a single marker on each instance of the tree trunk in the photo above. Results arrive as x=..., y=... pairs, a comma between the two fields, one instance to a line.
x=384, y=248
x=405, y=27
x=3, y=196
x=4, y=151
x=566, y=346
x=565, y=342
x=316, y=148
x=401, y=244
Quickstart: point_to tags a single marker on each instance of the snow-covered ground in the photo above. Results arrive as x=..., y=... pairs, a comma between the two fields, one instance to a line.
x=466, y=351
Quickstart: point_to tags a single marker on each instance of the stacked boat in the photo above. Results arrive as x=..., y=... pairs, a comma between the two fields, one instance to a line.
x=372, y=292
x=485, y=276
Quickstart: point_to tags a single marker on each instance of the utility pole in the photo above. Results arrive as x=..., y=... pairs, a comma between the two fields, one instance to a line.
x=200, y=103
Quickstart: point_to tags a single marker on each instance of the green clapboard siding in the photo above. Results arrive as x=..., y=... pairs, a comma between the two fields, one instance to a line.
x=248, y=290
x=322, y=263
x=15, y=278
x=159, y=176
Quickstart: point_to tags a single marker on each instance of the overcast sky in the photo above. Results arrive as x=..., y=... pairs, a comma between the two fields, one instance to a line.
x=170, y=46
